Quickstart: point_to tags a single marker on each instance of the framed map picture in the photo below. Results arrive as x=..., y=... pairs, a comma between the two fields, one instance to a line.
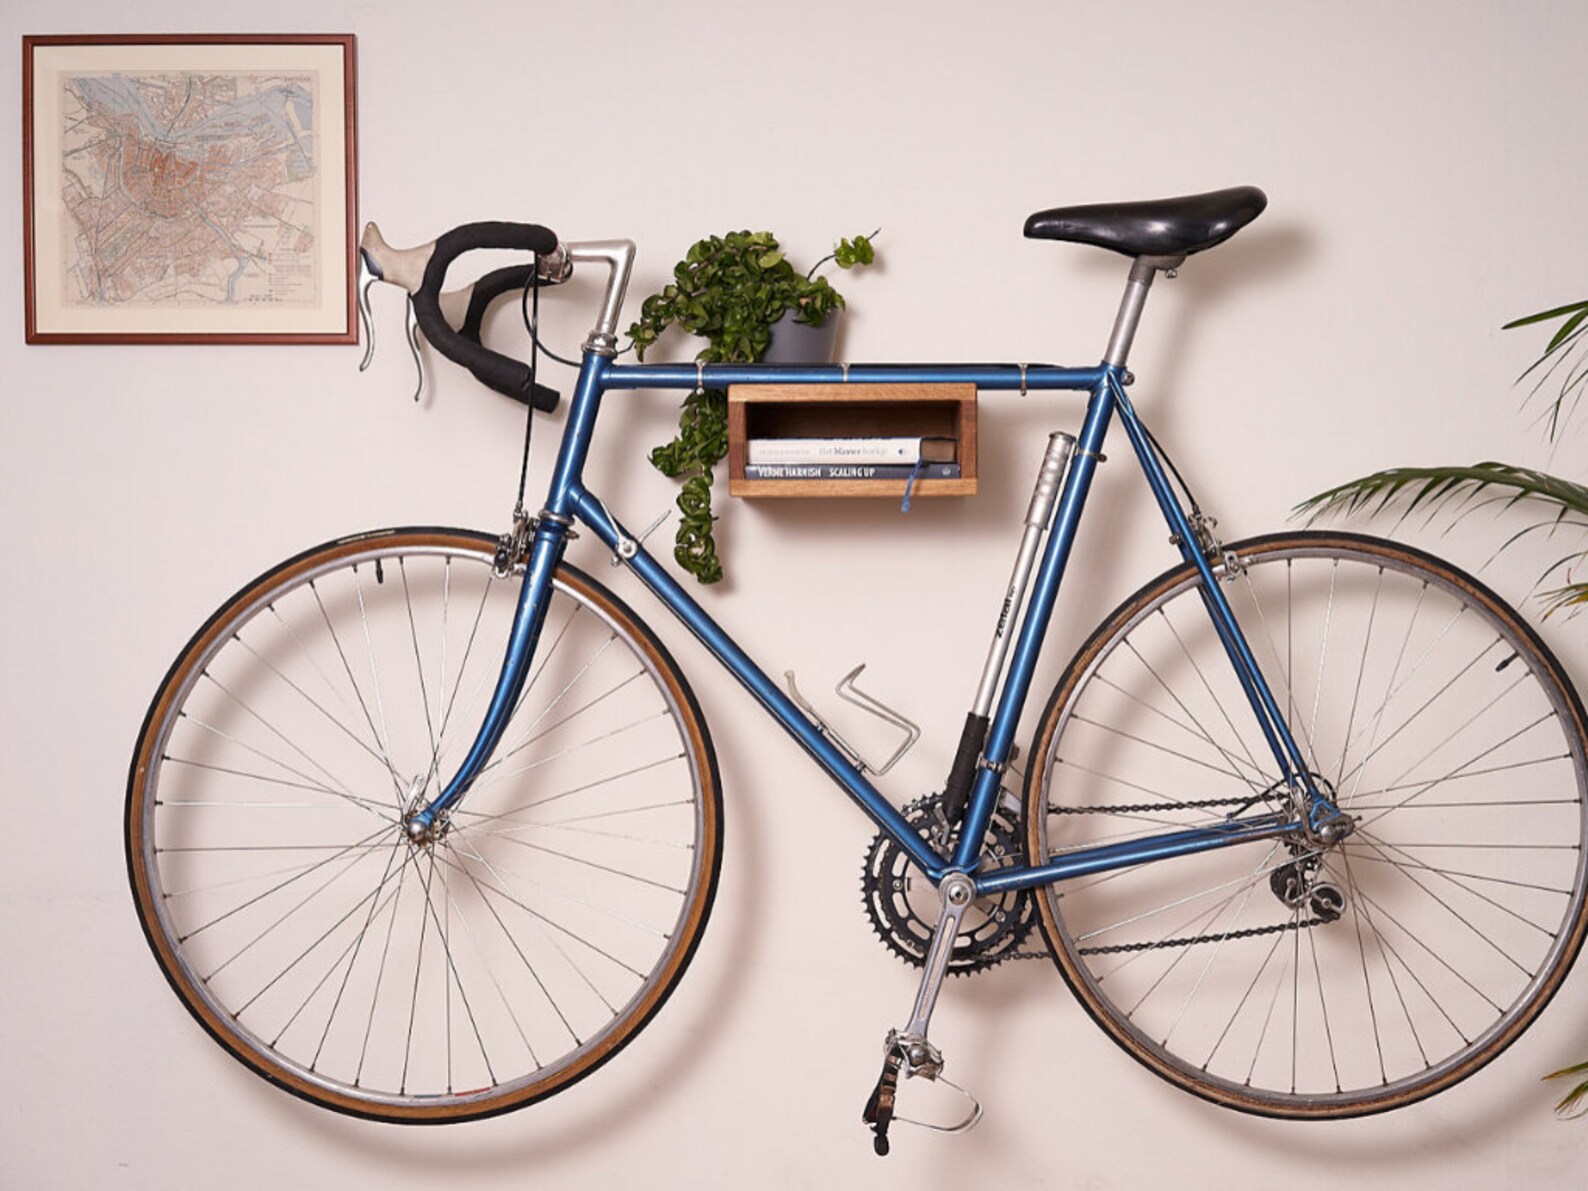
x=189, y=189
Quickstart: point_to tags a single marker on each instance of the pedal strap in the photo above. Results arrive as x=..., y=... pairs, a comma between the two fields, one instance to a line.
x=879, y=1108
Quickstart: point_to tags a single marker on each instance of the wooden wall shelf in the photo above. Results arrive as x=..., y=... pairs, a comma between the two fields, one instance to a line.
x=852, y=411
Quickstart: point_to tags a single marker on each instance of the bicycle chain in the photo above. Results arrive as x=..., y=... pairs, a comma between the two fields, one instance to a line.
x=1188, y=940
x=1142, y=808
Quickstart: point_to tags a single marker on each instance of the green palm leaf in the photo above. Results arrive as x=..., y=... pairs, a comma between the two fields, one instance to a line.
x=1460, y=491
x=1562, y=352
x=1575, y=1102
x=1436, y=487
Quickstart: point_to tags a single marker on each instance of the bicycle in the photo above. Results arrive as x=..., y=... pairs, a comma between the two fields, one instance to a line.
x=1302, y=826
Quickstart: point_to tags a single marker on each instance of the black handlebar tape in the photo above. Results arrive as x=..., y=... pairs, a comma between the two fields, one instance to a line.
x=485, y=291
x=492, y=369
x=489, y=288
x=492, y=233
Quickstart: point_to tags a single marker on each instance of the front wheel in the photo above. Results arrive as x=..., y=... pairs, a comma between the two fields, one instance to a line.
x=1318, y=980
x=475, y=971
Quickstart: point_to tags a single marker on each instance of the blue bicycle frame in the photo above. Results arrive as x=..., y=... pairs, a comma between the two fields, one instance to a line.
x=569, y=501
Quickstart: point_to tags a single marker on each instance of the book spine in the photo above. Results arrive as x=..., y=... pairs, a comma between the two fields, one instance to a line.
x=833, y=450
x=850, y=471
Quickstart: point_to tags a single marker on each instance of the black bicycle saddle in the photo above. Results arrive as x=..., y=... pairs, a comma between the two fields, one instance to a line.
x=1161, y=227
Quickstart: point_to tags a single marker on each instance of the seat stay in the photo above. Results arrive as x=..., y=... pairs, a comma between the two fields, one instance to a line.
x=1287, y=753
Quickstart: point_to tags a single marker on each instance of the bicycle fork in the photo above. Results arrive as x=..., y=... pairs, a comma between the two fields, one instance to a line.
x=427, y=821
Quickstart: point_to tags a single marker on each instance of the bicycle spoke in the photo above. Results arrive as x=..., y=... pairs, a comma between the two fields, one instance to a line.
x=555, y=928
x=381, y=743
x=1361, y=674
x=305, y=952
x=1417, y=714
x=1197, y=730
x=526, y=881
x=463, y=661
x=331, y=786
x=1149, y=743
x=419, y=661
x=380, y=973
x=304, y=783
x=1408, y=871
x=355, y=949
x=509, y=753
x=357, y=850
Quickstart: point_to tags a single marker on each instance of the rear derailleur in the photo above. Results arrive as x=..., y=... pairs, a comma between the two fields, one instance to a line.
x=1302, y=885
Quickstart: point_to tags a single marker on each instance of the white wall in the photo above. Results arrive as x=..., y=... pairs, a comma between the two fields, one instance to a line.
x=1426, y=172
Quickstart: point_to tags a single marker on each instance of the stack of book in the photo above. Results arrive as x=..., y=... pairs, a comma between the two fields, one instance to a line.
x=895, y=458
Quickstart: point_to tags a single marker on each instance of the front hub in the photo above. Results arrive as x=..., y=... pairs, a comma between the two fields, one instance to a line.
x=423, y=827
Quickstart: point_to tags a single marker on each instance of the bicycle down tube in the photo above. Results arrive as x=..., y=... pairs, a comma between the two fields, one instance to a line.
x=569, y=500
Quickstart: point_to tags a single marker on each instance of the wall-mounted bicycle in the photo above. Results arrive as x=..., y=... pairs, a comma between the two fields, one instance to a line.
x=1302, y=828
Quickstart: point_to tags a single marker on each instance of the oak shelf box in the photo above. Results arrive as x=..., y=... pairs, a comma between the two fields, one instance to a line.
x=852, y=411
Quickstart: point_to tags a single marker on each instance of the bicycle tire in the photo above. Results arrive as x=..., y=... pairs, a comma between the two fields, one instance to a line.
x=1327, y=981
x=399, y=981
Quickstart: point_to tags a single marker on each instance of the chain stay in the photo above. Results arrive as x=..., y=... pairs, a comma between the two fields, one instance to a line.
x=1188, y=940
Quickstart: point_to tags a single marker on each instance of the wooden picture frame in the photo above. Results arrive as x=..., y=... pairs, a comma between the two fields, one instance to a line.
x=189, y=188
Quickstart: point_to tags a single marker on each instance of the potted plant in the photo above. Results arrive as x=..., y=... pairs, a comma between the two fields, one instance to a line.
x=730, y=290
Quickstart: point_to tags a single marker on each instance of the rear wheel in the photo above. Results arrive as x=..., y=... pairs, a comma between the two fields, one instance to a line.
x=1318, y=980
x=420, y=981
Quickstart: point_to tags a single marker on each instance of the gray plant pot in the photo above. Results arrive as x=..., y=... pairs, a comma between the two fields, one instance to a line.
x=798, y=343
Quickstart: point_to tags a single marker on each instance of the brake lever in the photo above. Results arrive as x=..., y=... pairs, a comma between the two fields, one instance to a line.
x=367, y=277
x=411, y=324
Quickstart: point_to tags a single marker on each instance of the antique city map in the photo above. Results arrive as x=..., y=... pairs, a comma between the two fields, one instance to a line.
x=190, y=189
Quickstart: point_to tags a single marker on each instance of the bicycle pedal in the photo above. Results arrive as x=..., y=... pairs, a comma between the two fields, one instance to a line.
x=881, y=1109
x=878, y=1112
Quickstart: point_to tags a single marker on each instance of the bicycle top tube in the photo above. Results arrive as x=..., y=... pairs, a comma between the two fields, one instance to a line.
x=1000, y=377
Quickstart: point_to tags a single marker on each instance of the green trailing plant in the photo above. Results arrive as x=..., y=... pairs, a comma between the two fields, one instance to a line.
x=728, y=290
x=1462, y=490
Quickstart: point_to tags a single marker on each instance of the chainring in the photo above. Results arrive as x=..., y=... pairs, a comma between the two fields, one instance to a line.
x=903, y=905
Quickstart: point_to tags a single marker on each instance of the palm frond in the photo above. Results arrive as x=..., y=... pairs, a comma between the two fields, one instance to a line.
x=1563, y=350
x=1435, y=488
x=1569, y=598
x=1575, y=1102
x=1461, y=491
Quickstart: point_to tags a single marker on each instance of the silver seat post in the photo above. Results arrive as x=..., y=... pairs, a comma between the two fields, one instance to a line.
x=1130, y=306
